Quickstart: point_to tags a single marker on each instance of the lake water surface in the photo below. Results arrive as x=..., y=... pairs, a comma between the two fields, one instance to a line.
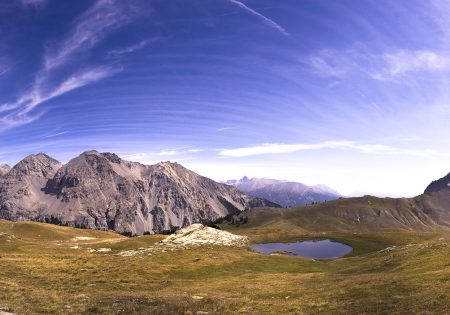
x=324, y=249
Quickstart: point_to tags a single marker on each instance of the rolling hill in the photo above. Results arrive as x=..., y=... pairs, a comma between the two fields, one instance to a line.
x=426, y=212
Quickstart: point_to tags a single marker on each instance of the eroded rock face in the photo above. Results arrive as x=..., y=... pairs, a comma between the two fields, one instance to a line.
x=21, y=195
x=102, y=191
x=4, y=168
x=438, y=185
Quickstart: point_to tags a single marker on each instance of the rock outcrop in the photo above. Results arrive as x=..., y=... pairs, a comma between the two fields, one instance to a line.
x=21, y=195
x=198, y=235
x=102, y=191
x=194, y=235
x=438, y=185
x=4, y=168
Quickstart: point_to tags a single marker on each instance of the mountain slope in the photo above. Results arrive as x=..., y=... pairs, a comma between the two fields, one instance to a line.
x=438, y=185
x=21, y=187
x=284, y=193
x=362, y=214
x=426, y=212
x=102, y=191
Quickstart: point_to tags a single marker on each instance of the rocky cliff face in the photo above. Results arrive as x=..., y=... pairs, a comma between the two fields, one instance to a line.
x=436, y=200
x=21, y=195
x=100, y=190
x=4, y=168
x=438, y=185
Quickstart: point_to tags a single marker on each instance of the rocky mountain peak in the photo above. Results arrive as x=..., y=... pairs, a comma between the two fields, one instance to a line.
x=438, y=185
x=174, y=171
x=40, y=165
x=4, y=168
x=89, y=153
x=236, y=182
x=167, y=165
x=84, y=175
x=244, y=179
x=100, y=190
x=112, y=157
x=283, y=192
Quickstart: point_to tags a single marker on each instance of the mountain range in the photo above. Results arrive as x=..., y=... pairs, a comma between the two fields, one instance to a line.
x=102, y=191
x=284, y=193
x=429, y=211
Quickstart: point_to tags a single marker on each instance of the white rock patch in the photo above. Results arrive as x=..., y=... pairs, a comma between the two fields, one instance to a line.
x=198, y=234
x=192, y=236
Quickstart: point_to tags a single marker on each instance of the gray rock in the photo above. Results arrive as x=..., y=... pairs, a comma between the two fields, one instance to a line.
x=4, y=168
x=102, y=191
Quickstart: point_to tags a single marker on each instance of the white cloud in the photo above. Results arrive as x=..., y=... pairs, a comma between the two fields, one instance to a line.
x=225, y=128
x=37, y=96
x=403, y=61
x=16, y=120
x=386, y=66
x=280, y=148
x=56, y=134
x=82, y=79
x=89, y=29
x=265, y=20
x=132, y=48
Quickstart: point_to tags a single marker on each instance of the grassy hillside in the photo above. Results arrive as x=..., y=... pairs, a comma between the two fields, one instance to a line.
x=47, y=269
x=364, y=214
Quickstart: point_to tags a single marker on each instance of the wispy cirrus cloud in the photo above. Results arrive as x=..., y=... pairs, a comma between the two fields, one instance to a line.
x=384, y=66
x=132, y=48
x=55, y=134
x=15, y=120
x=95, y=24
x=3, y=69
x=73, y=82
x=29, y=101
x=90, y=28
x=280, y=148
x=5, y=65
x=404, y=61
x=225, y=128
x=33, y=3
x=263, y=18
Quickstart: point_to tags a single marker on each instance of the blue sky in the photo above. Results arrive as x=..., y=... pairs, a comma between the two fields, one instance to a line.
x=352, y=94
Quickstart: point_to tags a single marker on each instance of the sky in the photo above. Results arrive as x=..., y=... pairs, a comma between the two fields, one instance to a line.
x=353, y=94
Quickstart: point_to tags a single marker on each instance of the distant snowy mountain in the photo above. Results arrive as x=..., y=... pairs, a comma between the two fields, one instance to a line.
x=284, y=193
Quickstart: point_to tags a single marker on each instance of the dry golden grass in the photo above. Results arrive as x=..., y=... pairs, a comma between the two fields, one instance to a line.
x=42, y=273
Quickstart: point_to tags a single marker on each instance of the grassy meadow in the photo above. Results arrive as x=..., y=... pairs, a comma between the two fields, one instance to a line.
x=46, y=269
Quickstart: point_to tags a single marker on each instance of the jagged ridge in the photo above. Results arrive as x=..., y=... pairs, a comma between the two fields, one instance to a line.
x=102, y=191
x=284, y=193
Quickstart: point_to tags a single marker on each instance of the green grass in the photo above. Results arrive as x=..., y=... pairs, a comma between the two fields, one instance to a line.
x=41, y=273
